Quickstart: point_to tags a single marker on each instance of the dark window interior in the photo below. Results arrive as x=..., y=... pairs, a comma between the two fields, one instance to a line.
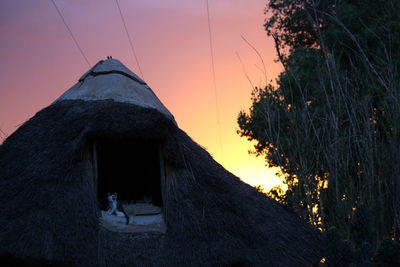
x=129, y=168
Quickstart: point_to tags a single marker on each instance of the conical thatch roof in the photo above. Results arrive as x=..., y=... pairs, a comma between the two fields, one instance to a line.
x=49, y=207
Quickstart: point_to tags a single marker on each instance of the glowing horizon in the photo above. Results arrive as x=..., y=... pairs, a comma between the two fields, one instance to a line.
x=40, y=62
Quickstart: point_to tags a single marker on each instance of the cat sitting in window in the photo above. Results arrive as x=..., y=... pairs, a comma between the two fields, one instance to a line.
x=115, y=208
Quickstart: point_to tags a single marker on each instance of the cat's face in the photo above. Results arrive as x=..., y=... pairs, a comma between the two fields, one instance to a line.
x=112, y=197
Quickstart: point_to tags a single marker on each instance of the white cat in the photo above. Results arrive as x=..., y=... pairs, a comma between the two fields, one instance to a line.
x=115, y=208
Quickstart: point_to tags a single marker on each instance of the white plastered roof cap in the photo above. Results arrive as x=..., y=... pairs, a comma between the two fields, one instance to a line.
x=110, y=79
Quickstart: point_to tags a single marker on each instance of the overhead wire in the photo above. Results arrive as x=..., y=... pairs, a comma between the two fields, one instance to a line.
x=71, y=34
x=129, y=39
x=214, y=79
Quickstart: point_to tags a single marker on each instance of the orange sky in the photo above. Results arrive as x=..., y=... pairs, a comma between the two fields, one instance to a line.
x=39, y=61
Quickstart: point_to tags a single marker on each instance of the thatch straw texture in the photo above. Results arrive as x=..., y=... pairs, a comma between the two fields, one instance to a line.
x=49, y=208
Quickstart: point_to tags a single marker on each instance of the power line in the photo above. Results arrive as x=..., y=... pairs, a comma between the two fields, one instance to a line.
x=129, y=39
x=214, y=80
x=70, y=32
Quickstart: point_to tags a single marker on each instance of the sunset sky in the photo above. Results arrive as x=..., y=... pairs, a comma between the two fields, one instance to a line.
x=39, y=61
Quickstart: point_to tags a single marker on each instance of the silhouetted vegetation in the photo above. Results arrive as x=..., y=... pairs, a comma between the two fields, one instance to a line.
x=332, y=122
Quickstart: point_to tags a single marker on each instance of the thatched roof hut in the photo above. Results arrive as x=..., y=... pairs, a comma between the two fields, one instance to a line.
x=110, y=132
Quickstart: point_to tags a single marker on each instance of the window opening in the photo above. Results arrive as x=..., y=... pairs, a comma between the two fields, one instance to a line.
x=132, y=170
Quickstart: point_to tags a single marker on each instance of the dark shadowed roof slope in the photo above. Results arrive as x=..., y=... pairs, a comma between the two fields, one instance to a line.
x=49, y=208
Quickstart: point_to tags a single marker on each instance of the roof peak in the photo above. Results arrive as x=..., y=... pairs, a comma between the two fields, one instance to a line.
x=111, y=65
x=110, y=79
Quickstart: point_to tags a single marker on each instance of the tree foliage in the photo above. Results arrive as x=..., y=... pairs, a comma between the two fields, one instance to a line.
x=332, y=122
